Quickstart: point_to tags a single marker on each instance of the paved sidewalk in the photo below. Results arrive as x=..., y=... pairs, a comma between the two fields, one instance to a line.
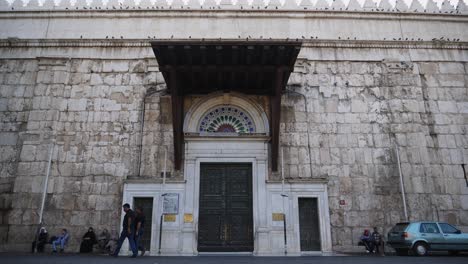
x=7, y=258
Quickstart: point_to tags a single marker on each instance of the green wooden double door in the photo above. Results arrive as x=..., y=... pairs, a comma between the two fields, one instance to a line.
x=225, y=214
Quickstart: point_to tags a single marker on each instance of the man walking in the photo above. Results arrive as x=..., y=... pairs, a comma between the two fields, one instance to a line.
x=128, y=231
x=139, y=227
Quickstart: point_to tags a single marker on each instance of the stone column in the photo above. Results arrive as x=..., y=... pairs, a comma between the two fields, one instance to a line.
x=262, y=241
x=188, y=234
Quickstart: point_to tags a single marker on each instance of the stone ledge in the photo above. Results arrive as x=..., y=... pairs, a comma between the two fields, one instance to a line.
x=252, y=13
x=299, y=180
x=252, y=5
x=306, y=43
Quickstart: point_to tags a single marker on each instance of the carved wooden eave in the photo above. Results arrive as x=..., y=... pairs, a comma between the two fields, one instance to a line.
x=204, y=67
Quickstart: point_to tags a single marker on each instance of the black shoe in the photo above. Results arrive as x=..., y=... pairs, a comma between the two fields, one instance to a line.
x=54, y=251
x=133, y=256
x=61, y=250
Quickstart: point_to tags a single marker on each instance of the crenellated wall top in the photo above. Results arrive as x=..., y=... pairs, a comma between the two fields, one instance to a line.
x=223, y=19
x=397, y=6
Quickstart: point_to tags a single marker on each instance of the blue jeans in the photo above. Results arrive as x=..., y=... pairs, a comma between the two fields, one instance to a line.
x=131, y=240
x=138, y=244
x=59, y=241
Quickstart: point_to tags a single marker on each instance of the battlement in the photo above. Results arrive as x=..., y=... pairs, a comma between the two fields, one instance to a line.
x=399, y=6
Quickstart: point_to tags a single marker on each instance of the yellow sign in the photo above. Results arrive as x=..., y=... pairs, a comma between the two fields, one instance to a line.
x=278, y=216
x=169, y=218
x=188, y=218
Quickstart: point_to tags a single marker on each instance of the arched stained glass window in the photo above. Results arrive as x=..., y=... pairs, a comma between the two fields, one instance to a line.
x=227, y=119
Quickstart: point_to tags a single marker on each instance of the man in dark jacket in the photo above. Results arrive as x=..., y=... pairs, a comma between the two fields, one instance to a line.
x=128, y=232
x=139, y=227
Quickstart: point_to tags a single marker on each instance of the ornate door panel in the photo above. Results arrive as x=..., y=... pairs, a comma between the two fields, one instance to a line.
x=225, y=216
x=309, y=224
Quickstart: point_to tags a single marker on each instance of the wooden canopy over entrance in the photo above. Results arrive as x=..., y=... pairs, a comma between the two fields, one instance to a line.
x=248, y=67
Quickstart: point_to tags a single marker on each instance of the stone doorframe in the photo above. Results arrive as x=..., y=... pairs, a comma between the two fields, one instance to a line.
x=253, y=149
x=265, y=195
x=224, y=150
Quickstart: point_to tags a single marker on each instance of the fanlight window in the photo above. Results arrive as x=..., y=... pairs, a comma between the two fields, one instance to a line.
x=227, y=119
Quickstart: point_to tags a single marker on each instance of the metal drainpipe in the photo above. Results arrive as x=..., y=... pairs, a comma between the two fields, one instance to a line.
x=402, y=185
x=143, y=109
x=46, y=182
x=307, y=117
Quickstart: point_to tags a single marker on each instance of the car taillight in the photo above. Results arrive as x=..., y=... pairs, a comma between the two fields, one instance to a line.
x=405, y=235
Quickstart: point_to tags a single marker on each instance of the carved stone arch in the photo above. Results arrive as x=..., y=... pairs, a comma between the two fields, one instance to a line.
x=198, y=110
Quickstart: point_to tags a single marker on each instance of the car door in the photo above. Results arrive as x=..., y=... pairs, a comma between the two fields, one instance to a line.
x=431, y=233
x=454, y=239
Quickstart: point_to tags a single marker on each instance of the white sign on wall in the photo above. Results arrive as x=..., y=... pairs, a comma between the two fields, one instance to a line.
x=171, y=203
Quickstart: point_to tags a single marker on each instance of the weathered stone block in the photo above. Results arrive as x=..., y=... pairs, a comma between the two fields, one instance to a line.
x=451, y=68
x=358, y=106
x=451, y=80
x=428, y=67
x=8, y=139
x=462, y=107
x=96, y=79
x=447, y=107
x=138, y=66
x=60, y=77
x=115, y=66
x=28, y=153
x=77, y=104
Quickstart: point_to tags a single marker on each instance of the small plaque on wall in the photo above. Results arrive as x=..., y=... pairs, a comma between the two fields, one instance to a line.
x=277, y=216
x=171, y=203
x=169, y=218
x=188, y=218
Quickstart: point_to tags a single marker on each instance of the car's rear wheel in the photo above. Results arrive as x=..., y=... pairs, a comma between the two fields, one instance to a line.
x=401, y=252
x=420, y=249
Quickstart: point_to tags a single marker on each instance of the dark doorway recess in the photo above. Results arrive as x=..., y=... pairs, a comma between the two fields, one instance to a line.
x=309, y=224
x=225, y=216
x=147, y=204
x=202, y=67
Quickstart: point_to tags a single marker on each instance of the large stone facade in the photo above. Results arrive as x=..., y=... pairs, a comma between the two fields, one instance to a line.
x=348, y=105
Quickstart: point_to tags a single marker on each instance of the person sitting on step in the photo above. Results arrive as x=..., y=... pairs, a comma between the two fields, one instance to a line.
x=61, y=240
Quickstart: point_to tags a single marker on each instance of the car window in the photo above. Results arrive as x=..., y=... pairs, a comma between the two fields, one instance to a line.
x=400, y=227
x=448, y=229
x=429, y=228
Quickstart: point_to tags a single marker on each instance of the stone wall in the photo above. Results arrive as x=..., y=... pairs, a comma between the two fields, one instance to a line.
x=90, y=112
x=357, y=112
x=16, y=92
x=89, y=109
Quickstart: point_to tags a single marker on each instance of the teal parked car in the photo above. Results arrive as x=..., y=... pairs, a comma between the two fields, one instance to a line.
x=422, y=237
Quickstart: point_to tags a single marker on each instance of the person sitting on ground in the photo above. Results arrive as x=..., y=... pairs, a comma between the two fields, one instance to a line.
x=61, y=240
x=112, y=244
x=40, y=240
x=89, y=239
x=366, y=240
x=103, y=239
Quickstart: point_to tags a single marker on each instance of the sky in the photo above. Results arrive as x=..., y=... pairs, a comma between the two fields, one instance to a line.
x=408, y=2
